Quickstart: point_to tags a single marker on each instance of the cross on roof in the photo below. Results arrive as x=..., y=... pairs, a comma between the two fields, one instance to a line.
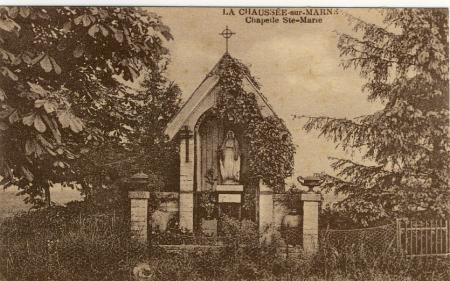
x=227, y=33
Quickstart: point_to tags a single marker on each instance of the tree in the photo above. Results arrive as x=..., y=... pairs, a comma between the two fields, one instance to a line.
x=405, y=65
x=141, y=146
x=61, y=86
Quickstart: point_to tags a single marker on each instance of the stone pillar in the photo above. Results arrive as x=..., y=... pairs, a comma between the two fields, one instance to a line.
x=265, y=209
x=139, y=213
x=186, y=206
x=311, y=221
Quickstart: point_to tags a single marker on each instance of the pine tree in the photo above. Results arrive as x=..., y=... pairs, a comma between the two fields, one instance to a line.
x=405, y=66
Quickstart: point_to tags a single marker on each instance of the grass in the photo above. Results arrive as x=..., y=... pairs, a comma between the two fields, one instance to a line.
x=58, y=244
x=71, y=244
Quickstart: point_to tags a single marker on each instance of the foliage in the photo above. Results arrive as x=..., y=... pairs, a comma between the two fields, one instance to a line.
x=64, y=244
x=213, y=265
x=71, y=243
x=244, y=258
x=174, y=235
x=246, y=231
x=332, y=218
x=255, y=259
x=211, y=178
x=208, y=202
x=359, y=261
x=405, y=64
x=64, y=99
x=271, y=151
x=293, y=198
x=249, y=201
x=112, y=197
x=208, y=198
x=141, y=145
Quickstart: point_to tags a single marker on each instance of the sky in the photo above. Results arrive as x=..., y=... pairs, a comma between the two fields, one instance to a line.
x=296, y=64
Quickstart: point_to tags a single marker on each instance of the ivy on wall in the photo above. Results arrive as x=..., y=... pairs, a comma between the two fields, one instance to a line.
x=271, y=151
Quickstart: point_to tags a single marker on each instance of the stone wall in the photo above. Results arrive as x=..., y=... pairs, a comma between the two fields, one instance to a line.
x=169, y=208
x=280, y=208
x=265, y=209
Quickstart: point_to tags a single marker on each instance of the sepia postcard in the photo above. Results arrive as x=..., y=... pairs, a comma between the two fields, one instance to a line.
x=224, y=143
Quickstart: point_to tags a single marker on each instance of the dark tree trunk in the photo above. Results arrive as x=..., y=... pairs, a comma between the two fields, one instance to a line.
x=47, y=198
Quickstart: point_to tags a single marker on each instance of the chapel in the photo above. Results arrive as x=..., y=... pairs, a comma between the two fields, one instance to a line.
x=213, y=156
x=234, y=156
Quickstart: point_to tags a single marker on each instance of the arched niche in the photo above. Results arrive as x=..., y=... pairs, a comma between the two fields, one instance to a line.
x=210, y=132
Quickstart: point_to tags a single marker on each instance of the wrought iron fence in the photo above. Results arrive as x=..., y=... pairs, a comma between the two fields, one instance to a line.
x=418, y=238
x=413, y=238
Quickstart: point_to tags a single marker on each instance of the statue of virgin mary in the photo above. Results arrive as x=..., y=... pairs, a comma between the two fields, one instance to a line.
x=230, y=160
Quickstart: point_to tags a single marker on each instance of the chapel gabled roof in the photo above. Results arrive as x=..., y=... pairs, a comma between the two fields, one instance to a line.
x=206, y=86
